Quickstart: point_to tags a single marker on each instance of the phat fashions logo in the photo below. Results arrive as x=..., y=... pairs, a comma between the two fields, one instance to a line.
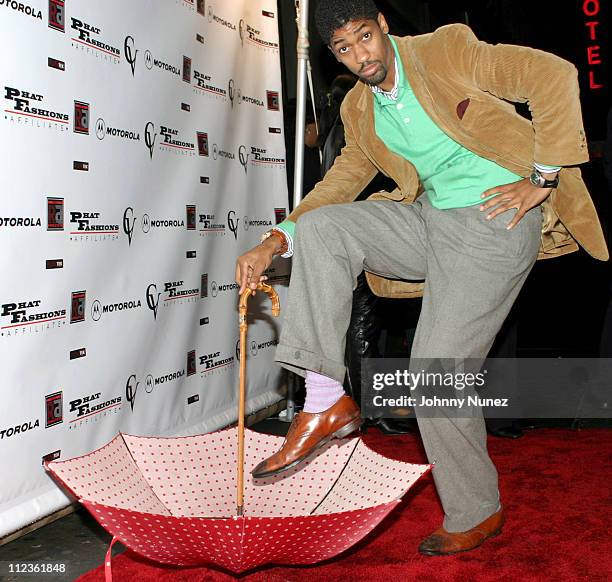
x=88, y=38
x=204, y=85
x=190, y=4
x=28, y=107
x=254, y=37
x=30, y=316
x=259, y=157
x=178, y=290
x=90, y=226
x=92, y=408
x=168, y=294
x=171, y=141
x=216, y=363
x=209, y=224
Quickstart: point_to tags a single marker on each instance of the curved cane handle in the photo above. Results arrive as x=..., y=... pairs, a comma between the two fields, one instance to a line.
x=272, y=294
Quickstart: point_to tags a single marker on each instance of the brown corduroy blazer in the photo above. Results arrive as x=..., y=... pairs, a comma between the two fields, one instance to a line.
x=466, y=86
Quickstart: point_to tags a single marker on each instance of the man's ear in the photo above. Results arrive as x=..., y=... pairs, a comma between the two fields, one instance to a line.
x=382, y=23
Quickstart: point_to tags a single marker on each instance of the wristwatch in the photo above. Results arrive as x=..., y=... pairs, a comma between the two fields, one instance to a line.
x=277, y=233
x=540, y=181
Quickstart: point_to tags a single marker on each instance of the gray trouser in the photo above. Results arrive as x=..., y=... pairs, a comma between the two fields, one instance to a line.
x=473, y=270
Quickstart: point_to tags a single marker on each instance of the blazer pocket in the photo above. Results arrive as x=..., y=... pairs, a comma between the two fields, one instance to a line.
x=462, y=107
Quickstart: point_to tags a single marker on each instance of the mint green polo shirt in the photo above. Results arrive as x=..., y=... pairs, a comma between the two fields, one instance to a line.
x=452, y=175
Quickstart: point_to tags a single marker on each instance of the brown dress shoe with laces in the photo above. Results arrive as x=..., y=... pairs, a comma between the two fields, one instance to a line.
x=310, y=431
x=444, y=543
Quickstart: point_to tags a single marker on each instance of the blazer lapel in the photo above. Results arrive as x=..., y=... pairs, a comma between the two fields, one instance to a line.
x=415, y=79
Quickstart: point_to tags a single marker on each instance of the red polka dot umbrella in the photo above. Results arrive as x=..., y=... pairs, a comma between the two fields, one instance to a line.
x=173, y=500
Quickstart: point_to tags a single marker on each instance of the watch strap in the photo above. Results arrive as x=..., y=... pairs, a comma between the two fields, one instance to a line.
x=537, y=179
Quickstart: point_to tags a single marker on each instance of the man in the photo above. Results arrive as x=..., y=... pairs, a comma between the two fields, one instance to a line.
x=432, y=113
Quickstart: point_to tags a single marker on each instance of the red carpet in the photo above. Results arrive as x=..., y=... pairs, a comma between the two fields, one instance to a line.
x=556, y=487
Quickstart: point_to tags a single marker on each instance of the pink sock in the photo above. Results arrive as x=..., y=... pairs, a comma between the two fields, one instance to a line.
x=321, y=392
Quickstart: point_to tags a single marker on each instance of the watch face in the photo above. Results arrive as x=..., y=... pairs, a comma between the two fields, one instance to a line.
x=534, y=179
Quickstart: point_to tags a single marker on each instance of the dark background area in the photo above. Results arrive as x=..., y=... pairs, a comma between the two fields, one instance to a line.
x=565, y=307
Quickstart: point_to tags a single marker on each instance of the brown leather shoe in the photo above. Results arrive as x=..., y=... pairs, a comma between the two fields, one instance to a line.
x=443, y=543
x=310, y=431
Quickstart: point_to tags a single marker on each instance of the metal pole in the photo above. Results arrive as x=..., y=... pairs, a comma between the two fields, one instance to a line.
x=300, y=128
x=300, y=115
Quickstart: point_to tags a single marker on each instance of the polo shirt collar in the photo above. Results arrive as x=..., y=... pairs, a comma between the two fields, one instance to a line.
x=386, y=98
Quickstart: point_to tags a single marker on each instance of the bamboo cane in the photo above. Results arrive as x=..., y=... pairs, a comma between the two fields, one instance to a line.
x=242, y=319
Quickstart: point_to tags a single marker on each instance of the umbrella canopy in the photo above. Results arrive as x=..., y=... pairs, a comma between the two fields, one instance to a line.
x=172, y=500
x=181, y=501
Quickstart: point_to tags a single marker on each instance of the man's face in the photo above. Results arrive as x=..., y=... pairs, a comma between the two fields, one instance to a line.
x=363, y=47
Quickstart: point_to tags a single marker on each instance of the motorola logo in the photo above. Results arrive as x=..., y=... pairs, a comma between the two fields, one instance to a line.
x=146, y=223
x=96, y=310
x=149, y=384
x=100, y=128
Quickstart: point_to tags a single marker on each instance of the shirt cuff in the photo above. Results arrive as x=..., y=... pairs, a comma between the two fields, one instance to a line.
x=287, y=227
x=546, y=169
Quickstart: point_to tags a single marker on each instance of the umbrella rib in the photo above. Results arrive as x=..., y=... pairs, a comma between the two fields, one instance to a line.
x=144, y=478
x=337, y=479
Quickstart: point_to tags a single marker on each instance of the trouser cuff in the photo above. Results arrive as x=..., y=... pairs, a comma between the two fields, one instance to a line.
x=299, y=360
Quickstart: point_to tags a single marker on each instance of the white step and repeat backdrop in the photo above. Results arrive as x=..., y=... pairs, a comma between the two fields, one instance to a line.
x=141, y=151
